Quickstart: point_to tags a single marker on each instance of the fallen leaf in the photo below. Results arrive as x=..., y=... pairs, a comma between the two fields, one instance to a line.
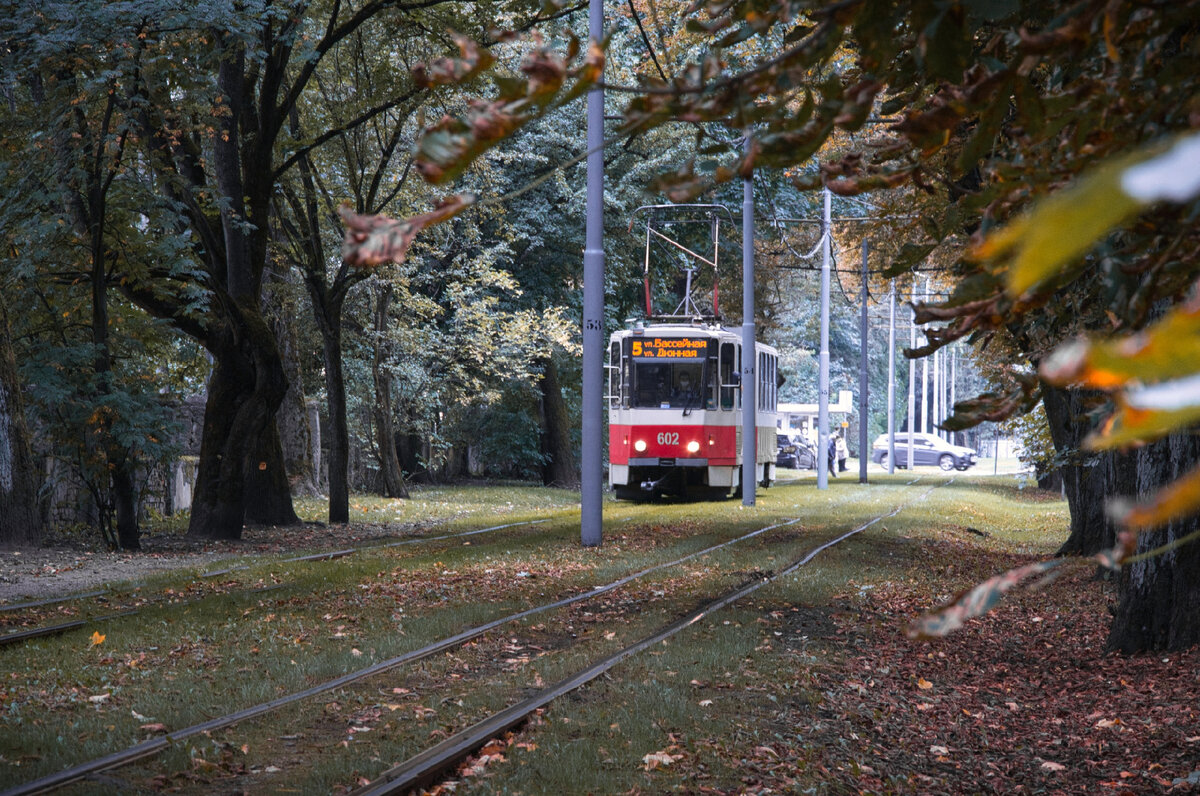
x=1051, y=766
x=938, y=750
x=98, y=698
x=155, y=727
x=705, y=703
x=656, y=759
x=97, y=638
x=924, y=684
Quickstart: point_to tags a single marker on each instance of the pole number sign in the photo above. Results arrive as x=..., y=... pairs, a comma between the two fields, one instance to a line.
x=669, y=348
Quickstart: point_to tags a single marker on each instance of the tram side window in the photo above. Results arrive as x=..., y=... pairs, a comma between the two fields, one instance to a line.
x=768, y=384
x=774, y=383
x=730, y=394
x=763, y=396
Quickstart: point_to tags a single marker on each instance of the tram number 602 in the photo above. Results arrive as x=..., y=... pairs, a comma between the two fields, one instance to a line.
x=668, y=438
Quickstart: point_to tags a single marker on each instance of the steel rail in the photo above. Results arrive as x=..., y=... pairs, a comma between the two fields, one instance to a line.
x=423, y=768
x=155, y=745
x=51, y=600
x=351, y=550
x=25, y=635
x=49, y=630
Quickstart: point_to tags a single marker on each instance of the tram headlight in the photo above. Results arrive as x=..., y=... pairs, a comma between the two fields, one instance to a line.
x=693, y=446
x=640, y=445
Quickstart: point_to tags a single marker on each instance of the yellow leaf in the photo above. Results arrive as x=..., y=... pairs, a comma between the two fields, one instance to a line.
x=924, y=684
x=97, y=638
x=1062, y=227
x=1178, y=499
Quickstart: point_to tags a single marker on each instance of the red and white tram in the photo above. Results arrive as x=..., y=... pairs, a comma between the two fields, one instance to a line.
x=675, y=410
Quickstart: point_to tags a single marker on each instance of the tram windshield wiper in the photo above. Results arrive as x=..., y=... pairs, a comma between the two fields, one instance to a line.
x=687, y=404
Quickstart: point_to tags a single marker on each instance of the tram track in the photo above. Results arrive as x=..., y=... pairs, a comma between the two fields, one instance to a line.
x=155, y=745
x=93, y=768
x=423, y=768
x=20, y=636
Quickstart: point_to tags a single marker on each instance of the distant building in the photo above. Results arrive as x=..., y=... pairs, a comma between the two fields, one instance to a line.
x=802, y=418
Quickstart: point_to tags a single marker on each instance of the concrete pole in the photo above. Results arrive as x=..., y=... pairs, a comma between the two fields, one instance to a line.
x=926, y=414
x=823, y=362
x=591, y=518
x=891, y=395
x=749, y=357
x=953, y=383
x=912, y=378
x=937, y=392
x=863, y=387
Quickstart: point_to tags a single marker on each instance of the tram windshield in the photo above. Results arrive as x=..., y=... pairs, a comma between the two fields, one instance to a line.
x=670, y=385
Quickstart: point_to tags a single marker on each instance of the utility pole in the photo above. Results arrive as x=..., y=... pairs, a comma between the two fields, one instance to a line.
x=891, y=399
x=953, y=382
x=938, y=361
x=926, y=414
x=912, y=373
x=823, y=362
x=862, y=373
x=749, y=356
x=591, y=516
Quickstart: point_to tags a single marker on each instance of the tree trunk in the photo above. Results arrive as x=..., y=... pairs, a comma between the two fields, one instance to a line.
x=20, y=524
x=291, y=422
x=339, y=429
x=385, y=434
x=410, y=450
x=124, y=496
x=244, y=391
x=559, y=468
x=1083, y=475
x=1159, y=606
x=267, y=481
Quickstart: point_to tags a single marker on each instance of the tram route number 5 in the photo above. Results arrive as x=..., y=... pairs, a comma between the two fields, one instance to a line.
x=668, y=438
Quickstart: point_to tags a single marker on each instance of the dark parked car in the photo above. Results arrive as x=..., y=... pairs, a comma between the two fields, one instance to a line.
x=794, y=453
x=928, y=449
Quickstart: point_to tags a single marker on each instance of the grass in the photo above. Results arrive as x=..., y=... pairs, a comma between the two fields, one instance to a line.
x=179, y=666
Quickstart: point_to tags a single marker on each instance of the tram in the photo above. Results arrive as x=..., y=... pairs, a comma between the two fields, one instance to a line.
x=675, y=396
x=675, y=410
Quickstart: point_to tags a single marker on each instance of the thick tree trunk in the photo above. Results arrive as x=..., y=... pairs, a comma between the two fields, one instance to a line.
x=124, y=496
x=1083, y=475
x=267, y=484
x=559, y=468
x=1159, y=607
x=382, y=412
x=291, y=422
x=244, y=391
x=20, y=523
x=411, y=450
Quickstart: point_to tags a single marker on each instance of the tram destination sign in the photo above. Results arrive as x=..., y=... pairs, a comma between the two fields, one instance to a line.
x=669, y=348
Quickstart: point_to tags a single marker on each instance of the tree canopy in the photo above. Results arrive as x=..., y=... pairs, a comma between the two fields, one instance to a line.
x=988, y=108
